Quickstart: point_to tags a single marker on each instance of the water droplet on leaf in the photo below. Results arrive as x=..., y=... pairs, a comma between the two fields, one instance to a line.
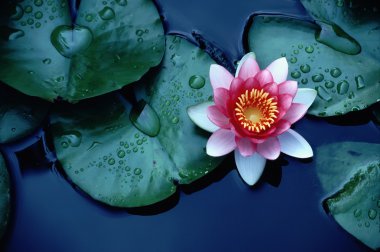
x=197, y=81
x=107, y=13
x=70, y=41
x=145, y=119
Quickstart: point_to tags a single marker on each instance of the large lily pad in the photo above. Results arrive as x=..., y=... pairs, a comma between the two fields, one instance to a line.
x=4, y=196
x=111, y=44
x=350, y=172
x=338, y=55
x=20, y=115
x=135, y=163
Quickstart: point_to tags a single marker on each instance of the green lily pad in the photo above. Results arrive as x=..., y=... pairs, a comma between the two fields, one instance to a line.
x=338, y=55
x=350, y=172
x=20, y=115
x=135, y=163
x=111, y=44
x=4, y=196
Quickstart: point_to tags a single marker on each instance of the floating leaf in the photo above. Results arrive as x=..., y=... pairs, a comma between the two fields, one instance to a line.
x=109, y=46
x=350, y=172
x=20, y=115
x=4, y=196
x=339, y=55
x=124, y=164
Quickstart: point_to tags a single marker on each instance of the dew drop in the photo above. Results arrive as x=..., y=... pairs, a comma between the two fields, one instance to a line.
x=323, y=94
x=28, y=9
x=372, y=213
x=74, y=138
x=293, y=60
x=38, y=15
x=197, y=81
x=357, y=213
x=309, y=49
x=139, y=32
x=30, y=21
x=140, y=40
x=38, y=25
x=296, y=51
x=359, y=82
x=107, y=13
x=18, y=13
x=336, y=38
x=366, y=224
x=15, y=34
x=46, y=61
x=122, y=2
x=38, y=2
x=329, y=84
x=305, y=68
x=335, y=72
x=295, y=74
x=342, y=87
x=304, y=81
x=89, y=17
x=145, y=119
x=317, y=77
x=70, y=41
x=137, y=171
x=121, y=153
x=111, y=161
x=175, y=120
x=64, y=145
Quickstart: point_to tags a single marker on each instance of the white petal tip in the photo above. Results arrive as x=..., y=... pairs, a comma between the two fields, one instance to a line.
x=293, y=144
x=198, y=115
x=250, y=168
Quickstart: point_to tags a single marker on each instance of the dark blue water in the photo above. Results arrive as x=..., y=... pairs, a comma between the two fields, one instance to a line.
x=219, y=213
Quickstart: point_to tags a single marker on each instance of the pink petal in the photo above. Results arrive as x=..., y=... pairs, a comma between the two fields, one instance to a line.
x=284, y=103
x=288, y=87
x=295, y=112
x=279, y=69
x=236, y=88
x=249, y=68
x=281, y=127
x=256, y=140
x=220, y=77
x=251, y=83
x=270, y=149
x=221, y=96
x=245, y=146
x=271, y=88
x=221, y=143
x=264, y=77
x=217, y=117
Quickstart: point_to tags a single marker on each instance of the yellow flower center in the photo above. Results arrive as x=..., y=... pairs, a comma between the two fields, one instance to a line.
x=255, y=110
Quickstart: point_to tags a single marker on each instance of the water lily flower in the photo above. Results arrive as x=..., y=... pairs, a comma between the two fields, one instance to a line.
x=252, y=114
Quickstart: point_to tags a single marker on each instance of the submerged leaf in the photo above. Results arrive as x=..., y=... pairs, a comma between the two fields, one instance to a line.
x=350, y=172
x=4, y=196
x=108, y=46
x=339, y=56
x=120, y=160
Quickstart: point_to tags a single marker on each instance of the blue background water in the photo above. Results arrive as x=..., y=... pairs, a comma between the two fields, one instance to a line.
x=218, y=213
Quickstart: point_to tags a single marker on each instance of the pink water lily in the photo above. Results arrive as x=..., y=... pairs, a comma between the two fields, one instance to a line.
x=252, y=114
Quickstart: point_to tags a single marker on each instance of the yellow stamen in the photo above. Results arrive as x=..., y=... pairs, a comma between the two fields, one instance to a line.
x=256, y=110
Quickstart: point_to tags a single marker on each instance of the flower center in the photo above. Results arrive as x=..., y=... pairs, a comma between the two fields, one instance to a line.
x=255, y=110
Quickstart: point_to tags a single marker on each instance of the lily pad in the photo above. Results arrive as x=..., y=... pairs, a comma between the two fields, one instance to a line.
x=20, y=115
x=338, y=54
x=350, y=172
x=128, y=163
x=111, y=44
x=4, y=196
